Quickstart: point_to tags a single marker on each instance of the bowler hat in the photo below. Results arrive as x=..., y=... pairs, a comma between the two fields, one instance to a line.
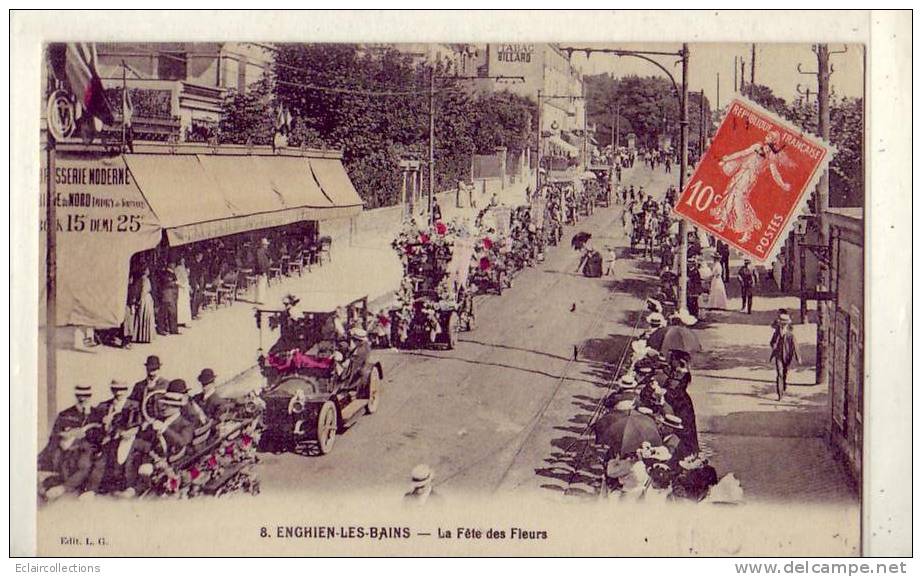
x=152, y=362
x=177, y=386
x=206, y=377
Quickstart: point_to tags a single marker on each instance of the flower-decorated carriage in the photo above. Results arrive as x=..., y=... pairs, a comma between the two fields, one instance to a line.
x=490, y=270
x=435, y=300
x=320, y=377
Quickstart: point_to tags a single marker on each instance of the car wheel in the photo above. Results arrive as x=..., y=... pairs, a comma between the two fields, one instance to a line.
x=326, y=427
x=374, y=392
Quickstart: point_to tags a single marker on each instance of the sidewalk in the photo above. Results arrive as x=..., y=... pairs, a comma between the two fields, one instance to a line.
x=776, y=448
x=226, y=340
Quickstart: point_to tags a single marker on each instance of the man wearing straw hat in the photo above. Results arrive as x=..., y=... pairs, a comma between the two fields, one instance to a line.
x=784, y=351
x=118, y=417
x=422, y=490
x=68, y=453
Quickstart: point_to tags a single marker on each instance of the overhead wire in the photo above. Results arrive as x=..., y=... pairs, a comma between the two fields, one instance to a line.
x=315, y=87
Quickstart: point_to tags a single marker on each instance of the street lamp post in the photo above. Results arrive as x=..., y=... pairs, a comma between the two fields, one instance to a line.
x=683, y=167
x=682, y=95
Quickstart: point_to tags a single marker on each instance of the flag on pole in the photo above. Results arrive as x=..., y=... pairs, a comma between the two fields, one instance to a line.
x=74, y=64
x=80, y=70
x=282, y=127
x=127, y=112
x=282, y=120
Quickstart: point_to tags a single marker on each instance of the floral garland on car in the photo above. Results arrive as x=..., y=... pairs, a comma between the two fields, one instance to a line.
x=228, y=468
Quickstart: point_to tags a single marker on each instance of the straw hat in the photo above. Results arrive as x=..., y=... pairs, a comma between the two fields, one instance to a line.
x=421, y=475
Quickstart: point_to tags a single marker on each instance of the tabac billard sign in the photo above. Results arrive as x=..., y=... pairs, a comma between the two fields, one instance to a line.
x=754, y=180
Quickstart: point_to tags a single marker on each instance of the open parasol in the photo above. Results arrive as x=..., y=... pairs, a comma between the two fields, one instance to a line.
x=625, y=431
x=674, y=338
x=579, y=240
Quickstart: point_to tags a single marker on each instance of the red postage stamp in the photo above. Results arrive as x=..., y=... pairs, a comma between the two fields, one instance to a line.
x=754, y=180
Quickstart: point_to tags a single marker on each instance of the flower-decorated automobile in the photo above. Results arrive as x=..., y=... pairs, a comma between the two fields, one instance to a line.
x=222, y=456
x=434, y=301
x=320, y=377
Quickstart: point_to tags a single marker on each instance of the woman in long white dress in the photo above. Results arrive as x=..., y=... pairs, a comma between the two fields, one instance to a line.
x=717, y=298
x=184, y=298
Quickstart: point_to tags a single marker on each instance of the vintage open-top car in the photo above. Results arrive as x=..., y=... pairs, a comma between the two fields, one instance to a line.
x=319, y=375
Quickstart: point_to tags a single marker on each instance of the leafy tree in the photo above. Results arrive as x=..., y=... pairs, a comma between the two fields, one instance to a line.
x=648, y=107
x=246, y=117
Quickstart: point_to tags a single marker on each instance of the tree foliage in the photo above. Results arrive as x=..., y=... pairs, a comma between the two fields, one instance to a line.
x=377, y=113
x=846, y=133
x=647, y=105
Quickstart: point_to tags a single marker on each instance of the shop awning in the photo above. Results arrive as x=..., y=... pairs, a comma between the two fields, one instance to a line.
x=197, y=197
x=564, y=146
x=335, y=183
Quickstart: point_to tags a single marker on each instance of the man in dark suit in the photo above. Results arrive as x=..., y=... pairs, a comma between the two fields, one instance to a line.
x=784, y=351
x=153, y=382
x=70, y=448
x=165, y=438
x=169, y=298
x=117, y=416
x=209, y=402
x=198, y=277
x=747, y=278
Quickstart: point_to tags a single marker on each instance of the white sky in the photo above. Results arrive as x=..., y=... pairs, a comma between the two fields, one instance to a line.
x=776, y=66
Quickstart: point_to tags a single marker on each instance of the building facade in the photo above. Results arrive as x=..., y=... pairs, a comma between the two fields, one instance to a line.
x=547, y=74
x=844, y=332
x=177, y=88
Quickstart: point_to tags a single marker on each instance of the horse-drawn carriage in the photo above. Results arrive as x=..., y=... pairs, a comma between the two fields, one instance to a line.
x=435, y=300
x=320, y=377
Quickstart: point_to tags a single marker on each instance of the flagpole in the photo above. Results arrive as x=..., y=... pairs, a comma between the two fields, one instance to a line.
x=51, y=269
x=124, y=104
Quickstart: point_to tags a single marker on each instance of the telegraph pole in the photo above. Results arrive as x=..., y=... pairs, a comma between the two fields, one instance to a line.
x=822, y=204
x=538, y=152
x=736, y=69
x=717, y=106
x=431, y=142
x=752, y=69
x=51, y=265
x=702, y=139
x=683, y=167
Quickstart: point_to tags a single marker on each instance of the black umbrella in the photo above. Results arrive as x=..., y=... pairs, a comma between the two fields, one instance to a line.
x=674, y=338
x=625, y=431
x=580, y=239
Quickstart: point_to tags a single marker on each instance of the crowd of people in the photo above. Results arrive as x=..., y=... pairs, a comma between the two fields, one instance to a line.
x=649, y=430
x=143, y=438
x=170, y=287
